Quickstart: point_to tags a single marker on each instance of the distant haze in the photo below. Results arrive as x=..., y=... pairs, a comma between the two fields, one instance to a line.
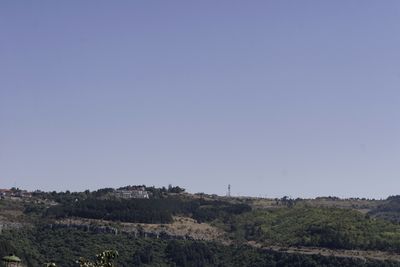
x=298, y=98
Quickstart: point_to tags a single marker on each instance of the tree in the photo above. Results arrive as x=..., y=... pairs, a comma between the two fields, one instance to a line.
x=104, y=259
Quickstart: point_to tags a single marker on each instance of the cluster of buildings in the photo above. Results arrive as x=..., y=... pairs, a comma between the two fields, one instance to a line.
x=133, y=192
x=14, y=193
x=125, y=193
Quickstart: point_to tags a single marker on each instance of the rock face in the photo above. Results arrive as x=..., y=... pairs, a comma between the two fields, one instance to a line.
x=140, y=232
x=181, y=228
x=86, y=227
x=11, y=215
x=6, y=225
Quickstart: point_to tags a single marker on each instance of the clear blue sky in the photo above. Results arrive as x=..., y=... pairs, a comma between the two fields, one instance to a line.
x=298, y=98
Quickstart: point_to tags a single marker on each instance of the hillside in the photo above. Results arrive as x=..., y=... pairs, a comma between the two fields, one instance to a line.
x=168, y=227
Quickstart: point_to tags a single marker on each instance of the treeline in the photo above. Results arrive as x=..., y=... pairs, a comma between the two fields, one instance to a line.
x=133, y=210
x=39, y=245
x=145, y=210
x=68, y=196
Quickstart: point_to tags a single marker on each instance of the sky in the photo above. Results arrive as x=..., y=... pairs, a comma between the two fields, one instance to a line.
x=276, y=98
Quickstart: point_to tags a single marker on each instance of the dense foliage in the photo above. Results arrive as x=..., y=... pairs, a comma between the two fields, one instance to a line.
x=64, y=247
x=287, y=222
x=390, y=210
x=134, y=210
x=319, y=227
x=67, y=196
x=103, y=259
x=145, y=210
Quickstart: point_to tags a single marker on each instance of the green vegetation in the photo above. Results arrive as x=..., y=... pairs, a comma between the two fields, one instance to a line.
x=390, y=210
x=134, y=210
x=104, y=259
x=318, y=227
x=145, y=210
x=64, y=247
x=70, y=197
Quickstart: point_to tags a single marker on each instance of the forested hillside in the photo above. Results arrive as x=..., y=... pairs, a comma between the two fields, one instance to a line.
x=390, y=210
x=174, y=228
x=146, y=210
x=316, y=227
x=65, y=246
